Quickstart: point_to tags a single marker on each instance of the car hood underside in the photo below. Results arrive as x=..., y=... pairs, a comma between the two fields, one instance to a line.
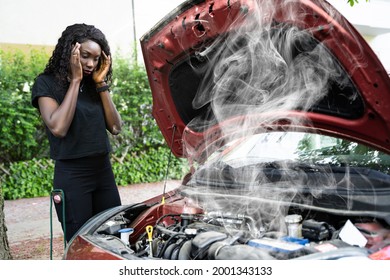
x=222, y=69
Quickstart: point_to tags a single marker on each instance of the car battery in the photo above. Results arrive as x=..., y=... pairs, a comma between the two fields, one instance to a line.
x=279, y=248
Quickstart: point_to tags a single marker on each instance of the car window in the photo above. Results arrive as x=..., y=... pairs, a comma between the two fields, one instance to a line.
x=300, y=147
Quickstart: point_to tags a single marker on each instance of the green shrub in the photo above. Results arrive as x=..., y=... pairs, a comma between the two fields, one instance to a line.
x=20, y=126
x=33, y=178
x=149, y=166
x=26, y=179
x=133, y=99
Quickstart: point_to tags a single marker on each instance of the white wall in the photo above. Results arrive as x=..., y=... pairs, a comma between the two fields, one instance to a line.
x=41, y=22
x=371, y=18
x=373, y=14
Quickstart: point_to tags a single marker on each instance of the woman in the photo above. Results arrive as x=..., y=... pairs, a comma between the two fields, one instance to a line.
x=73, y=98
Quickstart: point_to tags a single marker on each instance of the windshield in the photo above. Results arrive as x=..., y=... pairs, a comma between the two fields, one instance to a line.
x=304, y=168
x=300, y=147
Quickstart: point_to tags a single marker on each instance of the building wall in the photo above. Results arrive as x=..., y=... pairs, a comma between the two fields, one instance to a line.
x=40, y=22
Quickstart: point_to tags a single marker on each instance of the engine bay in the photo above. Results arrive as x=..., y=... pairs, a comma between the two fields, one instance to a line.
x=180, y=229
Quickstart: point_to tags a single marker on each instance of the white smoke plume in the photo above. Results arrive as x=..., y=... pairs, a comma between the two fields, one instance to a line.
x=263, y=67
x=266, y=69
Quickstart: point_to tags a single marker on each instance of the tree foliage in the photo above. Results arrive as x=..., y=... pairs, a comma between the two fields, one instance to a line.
x=133, y=98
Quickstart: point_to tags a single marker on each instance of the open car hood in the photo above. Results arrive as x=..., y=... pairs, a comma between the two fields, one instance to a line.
x=222, y=69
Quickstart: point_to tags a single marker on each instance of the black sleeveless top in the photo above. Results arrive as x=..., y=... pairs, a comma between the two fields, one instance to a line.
x=87, y=134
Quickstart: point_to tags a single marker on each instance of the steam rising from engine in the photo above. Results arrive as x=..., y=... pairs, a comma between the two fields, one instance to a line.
x=266, y=69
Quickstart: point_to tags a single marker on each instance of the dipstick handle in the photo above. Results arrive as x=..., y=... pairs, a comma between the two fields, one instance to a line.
x=149, y=231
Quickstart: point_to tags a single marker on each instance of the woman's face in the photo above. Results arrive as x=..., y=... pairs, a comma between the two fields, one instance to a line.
x=90, y=53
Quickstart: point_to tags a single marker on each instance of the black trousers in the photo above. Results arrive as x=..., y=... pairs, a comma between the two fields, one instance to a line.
x=89, y=188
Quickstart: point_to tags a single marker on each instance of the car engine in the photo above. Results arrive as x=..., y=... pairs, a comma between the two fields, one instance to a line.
x=180, y=230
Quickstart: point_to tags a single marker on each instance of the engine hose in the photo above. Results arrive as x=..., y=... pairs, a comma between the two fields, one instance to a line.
x=185, y=251
x=168, y=242
x=55, y=192
x=167, y=231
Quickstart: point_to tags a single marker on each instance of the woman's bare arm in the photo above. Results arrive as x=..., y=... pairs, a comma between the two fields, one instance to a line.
x=113, y=118
x=59, y=117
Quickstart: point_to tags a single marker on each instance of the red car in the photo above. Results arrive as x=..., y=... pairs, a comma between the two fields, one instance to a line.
x=281, y=108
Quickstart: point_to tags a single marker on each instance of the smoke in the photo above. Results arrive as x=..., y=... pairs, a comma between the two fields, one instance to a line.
x=264, y=67
x=267, y=69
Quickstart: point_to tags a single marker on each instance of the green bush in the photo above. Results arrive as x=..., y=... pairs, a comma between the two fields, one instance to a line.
x=133, y=98
x=26, y=179
x=33, y=178
x=149, y=166
x=22, y=132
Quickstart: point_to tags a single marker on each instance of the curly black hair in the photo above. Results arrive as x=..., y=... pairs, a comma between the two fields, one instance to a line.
x=59, y=62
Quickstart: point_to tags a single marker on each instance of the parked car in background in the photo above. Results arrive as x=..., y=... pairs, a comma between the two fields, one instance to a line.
x=282, y=110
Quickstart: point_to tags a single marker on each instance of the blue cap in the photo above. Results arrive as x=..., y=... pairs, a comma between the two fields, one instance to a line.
x=126, y=230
